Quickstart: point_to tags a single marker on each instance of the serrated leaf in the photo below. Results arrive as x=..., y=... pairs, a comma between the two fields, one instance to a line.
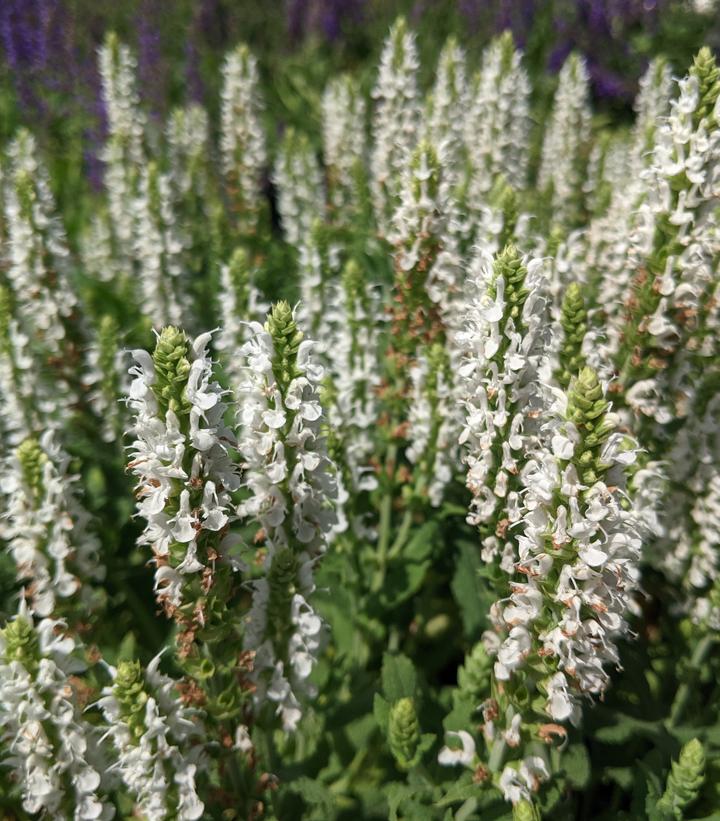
x=462, y=790
x=398, y=677
x=315, y=794
x=396, y=793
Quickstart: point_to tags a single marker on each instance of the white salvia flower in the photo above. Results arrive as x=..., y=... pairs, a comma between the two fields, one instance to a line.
x=435, y=421
x=159, y=250
x=319, y=262
x=47, y=531
x=562, y=170
x=18, y=380
x=652, y=106
x=242, y=139
x=157, y=742
x=353, y=356
x=447, y=106
x=522, y=781
x=38, y=271
x=239, y=303
x=502, y=346
x=466, y=755
x=124, y=152
x=344, y=142
x=395, y=125
x=675, y=251
x=608, y=169
x=297, y=176
x=188, y=146
x=293, y=491
x=99, y=259
x=49, y=747
x=498, y=126
x=107, y=376
x=185, y=474
x=578, y=552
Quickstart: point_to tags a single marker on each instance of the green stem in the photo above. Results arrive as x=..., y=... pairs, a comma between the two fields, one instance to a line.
x=682, y=695
x=385, y=522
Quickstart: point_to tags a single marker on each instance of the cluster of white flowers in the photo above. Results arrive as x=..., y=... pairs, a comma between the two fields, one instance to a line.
x=502, y=347
x=17, y=377
x=676, y=249
x=48, y=746
x=578, y=551
x=353, y=365
x=497, y=130
x=47, y=531
x=293, y=490
x=396, y=120
x=38, y=273
x=319, y=263
x=157, y=742
x=344, y=142
x=159, y=249
x=301, y=199
x=124, y=152
x=188, y=142
x=185, y=473
x=562, y=168
x=242, y=138
x=447, y=105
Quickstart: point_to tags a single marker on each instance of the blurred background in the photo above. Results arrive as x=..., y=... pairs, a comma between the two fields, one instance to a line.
x=49, y=79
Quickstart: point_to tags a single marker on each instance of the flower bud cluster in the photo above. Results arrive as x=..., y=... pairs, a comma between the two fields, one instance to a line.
x=293, y=490
x=47, y=744
x=185, y=476
x=242, y=139
x=157, y=742
x=48, y=532
x=124, y=152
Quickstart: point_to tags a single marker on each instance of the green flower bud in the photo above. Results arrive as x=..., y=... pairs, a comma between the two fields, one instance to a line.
x=508, y=265
x=286, y=338
x=239, y=274
x=706, y=70
x=172, y=367
x=587, y=409
x=526, y=811
x=22, y=643
x=5, y=319
x=684, y=782
x=404, y=733
x=32, y=461
x=129, y=690
x=474, y=675
x=573, y=319
x=281, y=581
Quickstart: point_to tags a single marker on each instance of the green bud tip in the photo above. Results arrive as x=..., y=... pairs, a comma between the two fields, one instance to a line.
x=706, y=70
x=404, y=731
x=172, y=367
x=22, y=643
x=32, y=459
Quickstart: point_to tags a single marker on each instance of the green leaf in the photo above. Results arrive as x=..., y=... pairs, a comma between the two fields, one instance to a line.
x=398, y=677
x=396, y=793
x=381, y=711
x=406, y=574
x=576, y=764
x=470, y=590
x=315, y=794
x=625, y=728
